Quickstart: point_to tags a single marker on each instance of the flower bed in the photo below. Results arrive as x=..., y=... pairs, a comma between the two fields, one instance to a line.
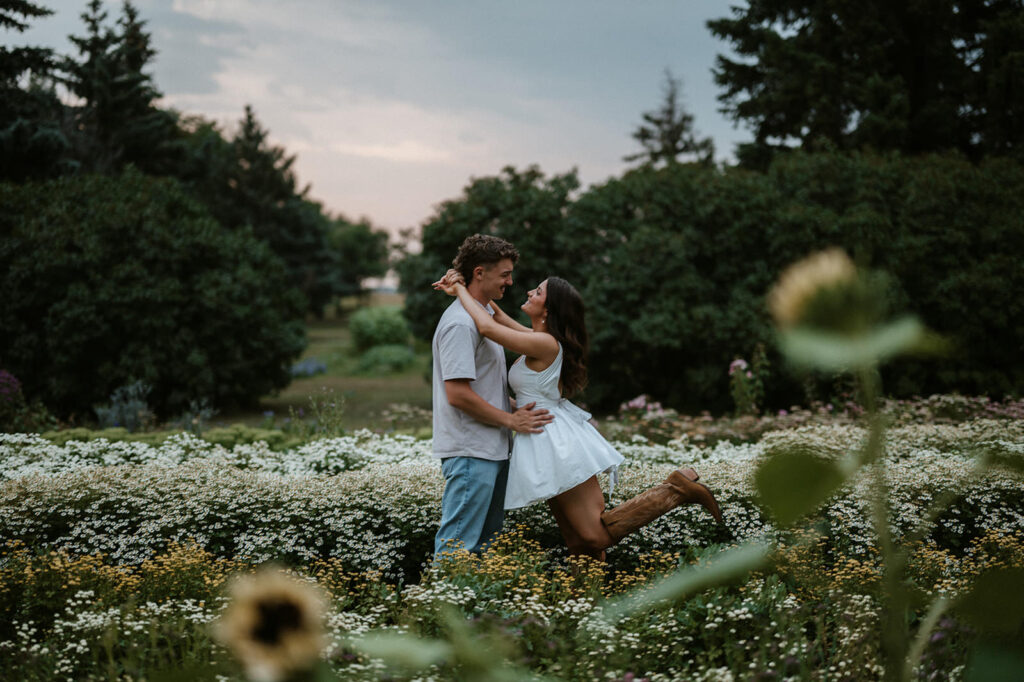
x=373, y=501
x=115, y=550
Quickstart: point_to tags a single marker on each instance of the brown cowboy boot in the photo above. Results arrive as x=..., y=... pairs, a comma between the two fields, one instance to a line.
x=676, y=490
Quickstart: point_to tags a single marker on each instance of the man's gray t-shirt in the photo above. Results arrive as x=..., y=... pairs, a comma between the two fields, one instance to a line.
x=460, y=352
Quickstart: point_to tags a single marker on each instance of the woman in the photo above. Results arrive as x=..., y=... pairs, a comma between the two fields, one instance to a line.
x=561, y=463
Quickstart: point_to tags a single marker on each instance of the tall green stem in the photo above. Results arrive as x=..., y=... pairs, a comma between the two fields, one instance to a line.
x=894, y=631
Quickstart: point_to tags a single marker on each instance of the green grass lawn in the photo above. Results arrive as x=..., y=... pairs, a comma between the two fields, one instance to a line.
x=365, y=395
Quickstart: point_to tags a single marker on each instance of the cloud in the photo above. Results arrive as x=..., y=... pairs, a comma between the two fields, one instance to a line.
x=368, y=26
x=393, y=106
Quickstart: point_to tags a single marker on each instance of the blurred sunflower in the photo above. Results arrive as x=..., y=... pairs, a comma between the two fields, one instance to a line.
x=827, y=291
x=802, y=281
x=273, y=625
x=834, y=316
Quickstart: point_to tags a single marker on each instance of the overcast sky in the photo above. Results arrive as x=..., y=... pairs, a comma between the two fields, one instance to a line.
x=393, y=106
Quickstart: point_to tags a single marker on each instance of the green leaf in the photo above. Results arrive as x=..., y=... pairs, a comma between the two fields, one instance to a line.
x=996, y=602
x=728, y=566
x=1008, y=461
x=1001, y=454
x=792, y=484
x=838, y=352
x=992, y=662
x=406, y=651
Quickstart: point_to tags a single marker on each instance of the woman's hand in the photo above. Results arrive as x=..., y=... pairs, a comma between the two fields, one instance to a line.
x=448, y=282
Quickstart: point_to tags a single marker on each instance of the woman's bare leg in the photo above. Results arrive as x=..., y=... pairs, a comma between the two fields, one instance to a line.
x=568, y=534
x=581, y=508
x=573, y=541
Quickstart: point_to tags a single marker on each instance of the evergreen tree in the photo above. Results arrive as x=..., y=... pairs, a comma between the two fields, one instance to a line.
x=151, y=140
x=91, y=80
x=914, y=77
x=248, y=183
x=262, y=175
x=668, y=134
x=999, y=54
x=118, y=121
x=31, y=142
x=362, y=252
x=15, y=62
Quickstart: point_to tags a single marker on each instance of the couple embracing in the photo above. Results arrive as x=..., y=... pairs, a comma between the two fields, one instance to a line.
x=556, y=453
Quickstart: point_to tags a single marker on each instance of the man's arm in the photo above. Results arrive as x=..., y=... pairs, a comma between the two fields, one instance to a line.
x=524, y=420
x=499, y=315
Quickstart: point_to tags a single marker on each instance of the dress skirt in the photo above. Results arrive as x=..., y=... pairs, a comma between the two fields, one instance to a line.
x=566, y=453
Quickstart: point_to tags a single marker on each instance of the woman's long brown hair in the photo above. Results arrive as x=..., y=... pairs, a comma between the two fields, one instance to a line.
x=565, y=322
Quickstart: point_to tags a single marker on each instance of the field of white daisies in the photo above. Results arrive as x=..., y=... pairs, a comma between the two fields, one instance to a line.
x=119, y=560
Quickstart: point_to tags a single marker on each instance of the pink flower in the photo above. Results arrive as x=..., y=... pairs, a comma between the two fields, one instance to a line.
x=637, y=403
x=783, y=413
x=738, y=363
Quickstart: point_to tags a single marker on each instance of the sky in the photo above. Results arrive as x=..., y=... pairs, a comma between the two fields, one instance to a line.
x=393, y=106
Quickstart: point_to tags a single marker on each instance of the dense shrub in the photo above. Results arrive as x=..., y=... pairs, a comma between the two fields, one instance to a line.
x=110, y=280
x=378, y=326
x=387, y=358
x=674, y=264
x=524, y=207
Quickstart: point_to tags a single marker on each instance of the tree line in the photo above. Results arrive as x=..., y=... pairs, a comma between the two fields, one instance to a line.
x=892, y=130
x=221, y=236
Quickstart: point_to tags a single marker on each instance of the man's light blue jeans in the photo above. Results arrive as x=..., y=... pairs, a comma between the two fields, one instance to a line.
x=473, y=503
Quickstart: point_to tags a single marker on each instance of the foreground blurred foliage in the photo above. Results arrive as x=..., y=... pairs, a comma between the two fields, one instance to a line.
x=832, y=316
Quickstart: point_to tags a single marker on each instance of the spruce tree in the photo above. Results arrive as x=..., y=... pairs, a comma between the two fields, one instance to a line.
x=118, y=121
x=15, y=62
x=31, y=141
x=261, y=193
x=151, y=138
x=667, y=134
x=918, y=77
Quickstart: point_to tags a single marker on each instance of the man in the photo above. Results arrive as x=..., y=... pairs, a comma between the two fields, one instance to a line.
x=473, y=415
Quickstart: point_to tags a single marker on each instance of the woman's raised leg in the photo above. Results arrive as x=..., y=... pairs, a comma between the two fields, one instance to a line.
x=581, y=508
x=571, y=538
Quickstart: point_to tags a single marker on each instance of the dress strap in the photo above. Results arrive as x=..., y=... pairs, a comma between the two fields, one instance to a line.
x=613, y=480
x=555, y=366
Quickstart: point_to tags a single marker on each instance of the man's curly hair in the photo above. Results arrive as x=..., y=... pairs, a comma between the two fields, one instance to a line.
x=482, y=249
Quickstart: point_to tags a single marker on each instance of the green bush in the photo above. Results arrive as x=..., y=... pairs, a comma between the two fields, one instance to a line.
x=378, y=326
x=110, y=280
x=674, y=264
x=386, y=359
x=240, y=434
x=524, y=207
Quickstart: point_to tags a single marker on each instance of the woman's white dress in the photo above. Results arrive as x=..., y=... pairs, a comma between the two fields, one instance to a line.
x=566, y=453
